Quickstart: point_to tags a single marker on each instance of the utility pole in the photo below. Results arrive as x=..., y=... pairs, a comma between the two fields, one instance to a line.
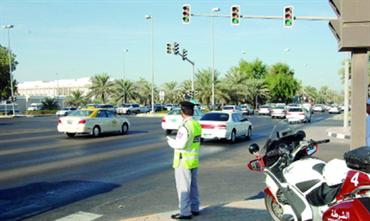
x=10, y=66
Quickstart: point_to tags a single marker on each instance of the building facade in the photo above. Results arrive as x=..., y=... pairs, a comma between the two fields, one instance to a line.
x=54, y=88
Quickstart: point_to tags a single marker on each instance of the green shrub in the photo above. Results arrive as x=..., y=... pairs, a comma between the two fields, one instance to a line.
x=40, y=112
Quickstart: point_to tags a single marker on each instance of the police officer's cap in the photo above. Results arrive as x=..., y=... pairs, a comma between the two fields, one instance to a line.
x=187, y=104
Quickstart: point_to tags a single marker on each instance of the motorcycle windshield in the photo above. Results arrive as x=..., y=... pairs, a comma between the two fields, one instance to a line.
x=281, y=133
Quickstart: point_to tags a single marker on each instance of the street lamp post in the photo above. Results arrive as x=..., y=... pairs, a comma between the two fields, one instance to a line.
x=10, y=66
x=213, y=56
x=148, y=17
x=124, y=62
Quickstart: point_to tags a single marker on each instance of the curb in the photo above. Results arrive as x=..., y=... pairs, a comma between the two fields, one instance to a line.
x=339, y=136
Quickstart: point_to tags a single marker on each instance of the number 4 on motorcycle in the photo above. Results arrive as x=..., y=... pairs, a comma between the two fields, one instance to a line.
x=354, y=179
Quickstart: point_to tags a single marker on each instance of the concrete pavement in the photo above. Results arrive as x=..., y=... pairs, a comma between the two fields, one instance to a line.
x=235, y=211
x=254, y=209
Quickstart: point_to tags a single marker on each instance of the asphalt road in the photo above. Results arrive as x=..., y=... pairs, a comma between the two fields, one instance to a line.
x=46, y=176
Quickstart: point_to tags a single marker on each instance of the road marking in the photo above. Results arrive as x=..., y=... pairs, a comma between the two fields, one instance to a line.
x=80, y=216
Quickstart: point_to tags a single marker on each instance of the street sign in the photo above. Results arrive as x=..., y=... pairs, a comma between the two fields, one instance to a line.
x=161, y=95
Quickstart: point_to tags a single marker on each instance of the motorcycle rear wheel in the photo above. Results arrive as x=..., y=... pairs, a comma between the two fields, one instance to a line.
x=274, y=208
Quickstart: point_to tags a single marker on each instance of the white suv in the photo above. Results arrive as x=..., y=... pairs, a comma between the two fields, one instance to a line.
x=128, y=109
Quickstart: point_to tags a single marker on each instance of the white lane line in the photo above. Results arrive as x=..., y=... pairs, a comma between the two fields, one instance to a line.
x=80, y=216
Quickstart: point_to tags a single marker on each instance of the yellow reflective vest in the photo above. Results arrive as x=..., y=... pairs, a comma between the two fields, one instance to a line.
x=190, y=154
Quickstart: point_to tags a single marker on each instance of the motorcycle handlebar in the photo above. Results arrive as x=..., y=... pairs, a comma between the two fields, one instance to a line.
x=319, y=141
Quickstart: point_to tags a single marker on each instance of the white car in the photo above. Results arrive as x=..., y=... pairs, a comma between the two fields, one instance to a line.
x=298, y=114
x=222, y=125
x=128, y=109
x=232, y=108
x=318, y=108
x=264, y=110
x=92, y=121
x=172, y=121
x=334, y=110
x=35, y=107
x=278, y=112
x=65, y=111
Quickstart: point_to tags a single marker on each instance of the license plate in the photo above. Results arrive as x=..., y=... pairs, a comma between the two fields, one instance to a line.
x=174, y=120
x=69, y=122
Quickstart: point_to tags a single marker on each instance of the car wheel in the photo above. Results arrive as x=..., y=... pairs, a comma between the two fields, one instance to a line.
x=233, y=136
x=168, y=132
x=249, y=133
x=124, y=129
x=71, y=134
x=96, y=131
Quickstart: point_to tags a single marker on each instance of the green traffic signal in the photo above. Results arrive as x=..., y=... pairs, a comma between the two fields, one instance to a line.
x=186, y=14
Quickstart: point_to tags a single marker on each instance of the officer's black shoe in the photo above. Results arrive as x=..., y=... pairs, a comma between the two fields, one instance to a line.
x=179, y=216
x=195, y=213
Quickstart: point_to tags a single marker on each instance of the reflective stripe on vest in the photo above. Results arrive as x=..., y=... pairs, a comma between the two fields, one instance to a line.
x=190, y=154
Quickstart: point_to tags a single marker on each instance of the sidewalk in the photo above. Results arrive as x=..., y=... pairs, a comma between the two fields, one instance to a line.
x=234, y=211
x=339, y=132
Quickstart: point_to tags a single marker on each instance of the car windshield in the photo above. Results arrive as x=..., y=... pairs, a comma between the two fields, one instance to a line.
x=295, y=110
x=279, y=107
x=215, y=117
x=175, y=112
x=228, y=108
x=80, y=113
x=264, y=106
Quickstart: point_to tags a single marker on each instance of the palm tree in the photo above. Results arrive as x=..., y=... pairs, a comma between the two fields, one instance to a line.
x=50, y=104
x=144, y=89
x=76, y=99
x=124, y=90
x=236, y=82
x=203, y=85
x=101, y=87
x=256, y=89
x=171, y=91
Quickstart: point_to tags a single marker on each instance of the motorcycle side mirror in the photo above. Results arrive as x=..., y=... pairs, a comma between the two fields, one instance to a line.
x=300, y=135
x=254, y=148
x=255, y=165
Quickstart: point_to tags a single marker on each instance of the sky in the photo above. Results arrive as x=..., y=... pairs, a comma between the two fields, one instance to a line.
x=67, y=39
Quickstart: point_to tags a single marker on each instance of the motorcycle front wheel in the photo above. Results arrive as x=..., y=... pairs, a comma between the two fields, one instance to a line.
x=274, y=208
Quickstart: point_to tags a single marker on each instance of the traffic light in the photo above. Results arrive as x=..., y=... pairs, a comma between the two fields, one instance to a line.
x=351, y=28
x=184, y=54
x=288, y=17
x=176, y=48
x=169, y=48
x=186, y=9
x=235, y=15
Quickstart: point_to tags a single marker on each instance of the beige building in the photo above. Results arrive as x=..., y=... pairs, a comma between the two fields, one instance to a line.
x=53, y=88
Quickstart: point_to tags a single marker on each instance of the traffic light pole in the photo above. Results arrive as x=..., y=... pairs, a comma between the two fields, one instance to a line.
x=310, y=18
x=192, y=77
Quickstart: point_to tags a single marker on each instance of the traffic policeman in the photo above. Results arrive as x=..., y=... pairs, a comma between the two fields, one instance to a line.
x=186, y=162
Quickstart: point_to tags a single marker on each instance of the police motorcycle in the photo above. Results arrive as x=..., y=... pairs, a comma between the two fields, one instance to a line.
x=301, y=187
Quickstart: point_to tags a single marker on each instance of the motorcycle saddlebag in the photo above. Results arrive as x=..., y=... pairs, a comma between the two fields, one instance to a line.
x=358, y=159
